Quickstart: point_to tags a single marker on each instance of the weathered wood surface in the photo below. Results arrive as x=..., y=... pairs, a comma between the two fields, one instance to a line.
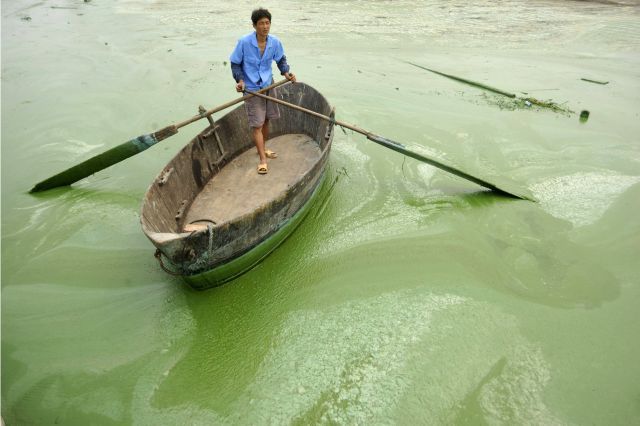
x=238, y=189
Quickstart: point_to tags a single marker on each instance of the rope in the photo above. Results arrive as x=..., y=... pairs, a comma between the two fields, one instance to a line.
x=210, y=230
x=158, y=255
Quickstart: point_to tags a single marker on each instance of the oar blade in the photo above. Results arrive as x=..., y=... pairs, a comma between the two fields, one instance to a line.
x=508, y=189
x=512, y=188
x=104, y=160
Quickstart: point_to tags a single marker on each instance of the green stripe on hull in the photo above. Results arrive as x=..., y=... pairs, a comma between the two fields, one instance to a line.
x=245, y=262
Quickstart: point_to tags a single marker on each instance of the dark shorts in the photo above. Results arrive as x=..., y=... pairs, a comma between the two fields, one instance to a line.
x=258, y=109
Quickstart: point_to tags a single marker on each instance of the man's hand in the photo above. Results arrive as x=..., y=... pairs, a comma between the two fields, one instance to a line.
x=240, y=86
x=290, y=76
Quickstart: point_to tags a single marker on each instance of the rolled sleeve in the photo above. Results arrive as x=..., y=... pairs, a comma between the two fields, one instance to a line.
x=236, y=71
x=283, y=66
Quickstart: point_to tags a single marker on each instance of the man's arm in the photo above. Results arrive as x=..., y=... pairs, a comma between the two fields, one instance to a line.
x=236, y=71
x=283, y=66
x=237, y=57
x=281, y=61
x=285, y=69
x=238, y=76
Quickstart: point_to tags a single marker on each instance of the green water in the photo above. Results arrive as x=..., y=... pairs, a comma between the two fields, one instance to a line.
x=408, y=296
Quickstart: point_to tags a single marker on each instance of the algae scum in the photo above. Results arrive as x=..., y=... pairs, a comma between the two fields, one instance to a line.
x=407, y=295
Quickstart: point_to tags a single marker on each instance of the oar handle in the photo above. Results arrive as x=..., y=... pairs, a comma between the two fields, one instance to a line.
x=310, y=112
x=228, y=104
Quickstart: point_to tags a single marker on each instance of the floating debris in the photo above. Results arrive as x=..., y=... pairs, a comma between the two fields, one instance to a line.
x=526, y=103
x=549, y=104
x=594, y=81
x=584, y=116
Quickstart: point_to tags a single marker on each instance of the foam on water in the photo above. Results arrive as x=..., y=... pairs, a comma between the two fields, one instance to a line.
x=344, y=363
x=349, y=149
x=581, y=198
x=387, y=359
x=516, y=395
x=74, y=146
x=426, y=173
x=365, y=361
x=338, y=238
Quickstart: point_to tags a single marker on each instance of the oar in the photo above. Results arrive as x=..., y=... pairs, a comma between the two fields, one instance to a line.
x=127, y=149
x=464, y=80
x=398, y=147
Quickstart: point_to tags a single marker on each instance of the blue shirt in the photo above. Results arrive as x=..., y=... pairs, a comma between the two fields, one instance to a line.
x=256, y=69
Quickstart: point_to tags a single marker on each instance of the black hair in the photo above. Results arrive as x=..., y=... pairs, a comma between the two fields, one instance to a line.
x=258, y=14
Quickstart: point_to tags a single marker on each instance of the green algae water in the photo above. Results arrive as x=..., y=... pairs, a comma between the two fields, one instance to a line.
x=407, y=295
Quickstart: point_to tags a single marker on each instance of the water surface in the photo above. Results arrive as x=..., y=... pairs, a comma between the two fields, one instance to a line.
x=408, y=296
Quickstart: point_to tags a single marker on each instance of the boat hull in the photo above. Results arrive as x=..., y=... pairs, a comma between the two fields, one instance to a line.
x=243, y=263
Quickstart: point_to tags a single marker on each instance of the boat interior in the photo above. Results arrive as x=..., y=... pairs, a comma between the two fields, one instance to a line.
x=214, y=178
x=238, y=189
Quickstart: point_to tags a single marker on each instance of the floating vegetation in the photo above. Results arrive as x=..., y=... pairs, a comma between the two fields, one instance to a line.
x=512, y=102
x=549, y=104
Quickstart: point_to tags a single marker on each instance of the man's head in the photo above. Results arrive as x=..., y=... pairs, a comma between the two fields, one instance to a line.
x=259, y=14
x=261, y=22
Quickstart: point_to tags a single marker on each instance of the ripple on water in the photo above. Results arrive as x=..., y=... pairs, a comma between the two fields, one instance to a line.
x=74, y=147
x=60, y=348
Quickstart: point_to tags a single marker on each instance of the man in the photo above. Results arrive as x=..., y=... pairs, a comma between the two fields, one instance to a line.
x=251, y=67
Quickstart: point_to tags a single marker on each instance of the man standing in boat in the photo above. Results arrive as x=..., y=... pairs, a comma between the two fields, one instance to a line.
x=251, y=67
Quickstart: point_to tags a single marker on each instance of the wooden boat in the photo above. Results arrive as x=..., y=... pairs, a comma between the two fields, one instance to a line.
x=212, y=216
